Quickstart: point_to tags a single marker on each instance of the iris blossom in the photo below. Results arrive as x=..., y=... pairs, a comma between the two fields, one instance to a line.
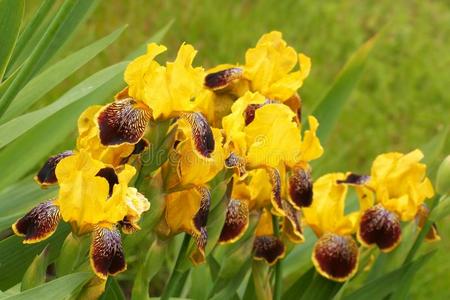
x=401, y=187
x=336, y=254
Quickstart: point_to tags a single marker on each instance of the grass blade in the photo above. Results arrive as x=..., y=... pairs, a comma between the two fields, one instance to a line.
x=25, y=73
x=55, y=74
x=331, y=106
x=11, y=14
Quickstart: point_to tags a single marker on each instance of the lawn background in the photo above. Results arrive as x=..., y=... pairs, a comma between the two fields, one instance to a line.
x=401, y=102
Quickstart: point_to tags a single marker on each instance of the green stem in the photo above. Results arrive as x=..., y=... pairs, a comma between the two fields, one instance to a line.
x=177, y=275
x=278, y=266
x=422, y=234
x=27, y=68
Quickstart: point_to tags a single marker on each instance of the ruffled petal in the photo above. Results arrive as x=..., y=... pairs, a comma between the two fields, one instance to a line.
x=123, y=121
x=275, y=197
x=291, y=224
x=106, y=255
x=39, y=223
x=236, y=221
x=236, y=162
x=336, y=257
x=46, y=175
x=378, y=226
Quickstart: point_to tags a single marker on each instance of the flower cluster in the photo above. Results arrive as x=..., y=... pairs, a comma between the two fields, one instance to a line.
x=244, y=120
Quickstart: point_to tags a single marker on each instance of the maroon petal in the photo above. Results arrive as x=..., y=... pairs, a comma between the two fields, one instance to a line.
x=275, y=181
x=110, y=175
x=201, y=132
x=291, y=224
x=106, y=254
x=300, y=187
x=268, y=247
x=46, y=175
x=236, y=221
x=123, y=121
x=355, y=179
x=38, y=224
x=336, y=257
x=381, y=227
x=222, y=79
x=201, y=217
x=421, y=218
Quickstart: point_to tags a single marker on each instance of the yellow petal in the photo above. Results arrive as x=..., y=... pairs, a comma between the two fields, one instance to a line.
x=311, y=148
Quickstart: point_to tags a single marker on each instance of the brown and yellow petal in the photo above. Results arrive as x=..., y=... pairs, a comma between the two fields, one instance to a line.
x=291, y=224
x=275, y=181
x=198, y=255
x=128, y=226
x=123, y=121
x=221, y=79
x=39, y=223
x=46, y=175
x=234, y=161
x=378, y=226
x=268, y=247
x=202, y=134
x=201, y=217
x=106, y=255
x=300, y=187
x=336, y=257
x=355, y=179
x=236, y=221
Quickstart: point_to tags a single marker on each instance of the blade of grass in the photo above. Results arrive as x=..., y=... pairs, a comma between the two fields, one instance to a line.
x=28, y=32
x=52, y=76
x=11, y=14
x=24, y=74
x=331, y=106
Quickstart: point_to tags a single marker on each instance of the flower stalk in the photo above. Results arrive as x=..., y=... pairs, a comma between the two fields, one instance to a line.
x=278, y=265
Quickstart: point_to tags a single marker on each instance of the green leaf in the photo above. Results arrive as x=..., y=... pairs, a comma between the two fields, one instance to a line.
x=36, y=272
x=11, y=14
x=299, y=287
x=15, y=257
x=112, y=290
x=59, y=288
x=331, y=106
x=78, y=14
x=24, y=74
x=59, y=125
x=25, y=39
x=20, y=125
x=153, y=262
x=321, y=288
x=383, y=286
x=51, y=77
x=433, y=149
x=72, y=254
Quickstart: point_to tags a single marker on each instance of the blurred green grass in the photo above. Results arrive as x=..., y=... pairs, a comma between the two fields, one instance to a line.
x=401, y=102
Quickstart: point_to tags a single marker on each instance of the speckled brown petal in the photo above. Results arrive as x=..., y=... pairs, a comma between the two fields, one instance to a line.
x=291, y=224
x=221, y=79
x=39, y=223
x=106, y=254
x=355, y=179
x=421, y=218
x=300, y=187
x=381, y=227
x=46, y=175
x=234, y=161
x=201, y=217
x=275, y=197
x=110, y=175
x=201, y=133
x=336, y=257
x=236, y=221
x=268, y=247
x=123, y=121
x=249, y=112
